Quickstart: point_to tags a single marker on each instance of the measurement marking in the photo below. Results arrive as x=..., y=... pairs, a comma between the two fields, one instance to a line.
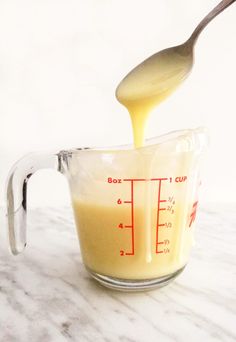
x=158, y=179
x=134, y=179
x=131, y=225
x=193, y=214
x=159, y=201
x=132, y=215
x=131, y=202
x=158, y=209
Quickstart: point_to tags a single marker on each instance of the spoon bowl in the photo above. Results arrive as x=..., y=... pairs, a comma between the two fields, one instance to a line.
x=159, y=75
x=155, y=78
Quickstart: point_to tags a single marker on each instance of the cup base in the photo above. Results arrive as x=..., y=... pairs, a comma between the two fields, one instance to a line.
x=134, y=285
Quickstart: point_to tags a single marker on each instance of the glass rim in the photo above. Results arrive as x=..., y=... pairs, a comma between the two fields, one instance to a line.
x=151, y=142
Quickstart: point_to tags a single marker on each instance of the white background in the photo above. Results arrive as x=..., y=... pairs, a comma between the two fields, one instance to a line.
x=60, y=62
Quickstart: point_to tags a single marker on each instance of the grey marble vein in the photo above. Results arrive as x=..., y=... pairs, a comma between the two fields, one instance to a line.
x=46, y=294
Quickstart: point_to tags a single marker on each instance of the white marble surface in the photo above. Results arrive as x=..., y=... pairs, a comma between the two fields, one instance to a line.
x=46, y=294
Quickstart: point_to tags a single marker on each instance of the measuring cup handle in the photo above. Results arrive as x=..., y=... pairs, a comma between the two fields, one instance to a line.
x=16, y=193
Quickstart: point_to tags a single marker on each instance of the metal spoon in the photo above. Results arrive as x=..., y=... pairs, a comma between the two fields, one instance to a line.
x=159, y=75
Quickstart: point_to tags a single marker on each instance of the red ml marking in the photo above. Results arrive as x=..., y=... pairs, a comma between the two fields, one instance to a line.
x=193, y=213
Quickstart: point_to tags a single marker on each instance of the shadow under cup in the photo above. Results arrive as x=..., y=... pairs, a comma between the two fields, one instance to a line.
x=134, y=208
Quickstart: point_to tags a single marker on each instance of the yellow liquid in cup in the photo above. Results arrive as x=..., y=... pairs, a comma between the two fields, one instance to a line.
x=104, y=243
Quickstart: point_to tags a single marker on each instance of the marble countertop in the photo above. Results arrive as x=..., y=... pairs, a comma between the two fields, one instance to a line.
x=47, y=295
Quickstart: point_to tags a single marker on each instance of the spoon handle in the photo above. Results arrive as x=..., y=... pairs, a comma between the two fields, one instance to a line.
x=217, y=10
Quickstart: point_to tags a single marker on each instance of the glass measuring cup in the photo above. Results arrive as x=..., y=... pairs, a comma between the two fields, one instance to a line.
x=134, y=208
